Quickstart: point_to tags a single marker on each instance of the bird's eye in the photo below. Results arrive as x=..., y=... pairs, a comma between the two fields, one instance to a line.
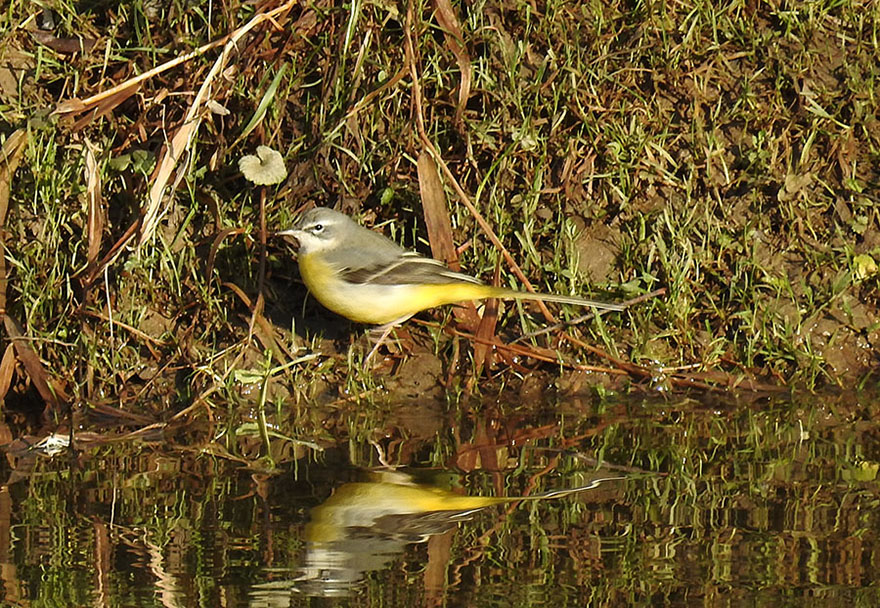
x=318, y=228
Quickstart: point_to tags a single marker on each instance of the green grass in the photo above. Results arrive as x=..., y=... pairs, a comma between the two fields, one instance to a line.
x=724, y=153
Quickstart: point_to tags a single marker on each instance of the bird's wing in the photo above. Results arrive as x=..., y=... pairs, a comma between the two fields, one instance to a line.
x=407, y=268
x=369, y=250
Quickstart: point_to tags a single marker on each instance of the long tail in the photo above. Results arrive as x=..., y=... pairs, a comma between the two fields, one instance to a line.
x=512, y=294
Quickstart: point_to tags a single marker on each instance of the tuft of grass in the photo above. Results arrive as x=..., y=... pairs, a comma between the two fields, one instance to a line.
x=725, y=154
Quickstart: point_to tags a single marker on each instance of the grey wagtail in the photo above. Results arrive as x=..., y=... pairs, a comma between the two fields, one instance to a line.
x=368, y=278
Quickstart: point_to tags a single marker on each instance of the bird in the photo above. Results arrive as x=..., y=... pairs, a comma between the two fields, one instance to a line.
x=368, y=278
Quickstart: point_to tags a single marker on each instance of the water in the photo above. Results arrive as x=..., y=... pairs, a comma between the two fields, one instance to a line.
x=705, y=503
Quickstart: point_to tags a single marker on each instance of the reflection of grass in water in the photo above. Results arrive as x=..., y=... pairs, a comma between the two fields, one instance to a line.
x=757, y=500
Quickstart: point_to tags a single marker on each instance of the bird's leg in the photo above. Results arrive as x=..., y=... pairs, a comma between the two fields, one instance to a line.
x=385, y=332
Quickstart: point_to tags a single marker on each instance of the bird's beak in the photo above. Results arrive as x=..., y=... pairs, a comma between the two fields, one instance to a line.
x=293, y=232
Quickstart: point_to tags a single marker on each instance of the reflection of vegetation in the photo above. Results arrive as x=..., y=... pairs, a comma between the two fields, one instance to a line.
x=758, y=501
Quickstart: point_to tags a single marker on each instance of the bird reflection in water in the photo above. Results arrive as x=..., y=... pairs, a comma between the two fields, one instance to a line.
x=364, y=525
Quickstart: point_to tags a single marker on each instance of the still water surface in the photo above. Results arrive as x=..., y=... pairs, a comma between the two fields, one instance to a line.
x=759, y=503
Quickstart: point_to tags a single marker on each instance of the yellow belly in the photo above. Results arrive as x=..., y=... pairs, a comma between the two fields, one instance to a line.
x=380, y=304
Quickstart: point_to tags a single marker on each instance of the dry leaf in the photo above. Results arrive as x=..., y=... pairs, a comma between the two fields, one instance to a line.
x=96, y=213
x=436, y=210
x=455, y=40
x=31, y=362
x=171, y=155
x=103, y=106
x=14, y=62
x=10, y=157
x=485, y=333
x=64, y=45
x=7, y=368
